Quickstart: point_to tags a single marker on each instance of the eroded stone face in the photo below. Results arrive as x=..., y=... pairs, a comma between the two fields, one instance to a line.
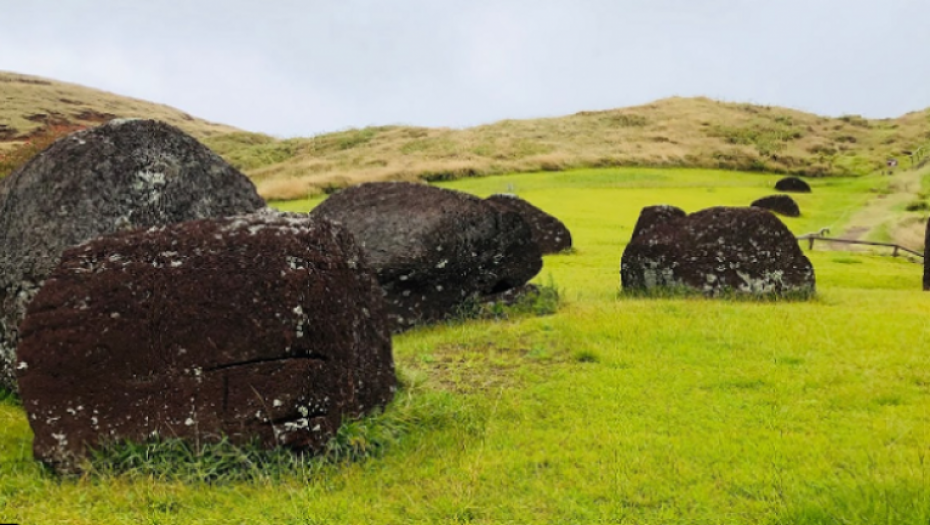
x=549, y=232
x=122, y=175
x=434, y=249
x=255, y=327
x=792, y=185
x=780, y=204
x=719, y=250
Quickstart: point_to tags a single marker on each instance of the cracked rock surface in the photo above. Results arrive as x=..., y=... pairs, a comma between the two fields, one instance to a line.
x=260, y=327
x=122, y=175
x=718, y=250
x=434, y=249
x=550, y=233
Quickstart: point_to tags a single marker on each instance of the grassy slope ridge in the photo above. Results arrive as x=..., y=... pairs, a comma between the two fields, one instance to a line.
x=674, y=132
x=28, y=102
x=615, y=409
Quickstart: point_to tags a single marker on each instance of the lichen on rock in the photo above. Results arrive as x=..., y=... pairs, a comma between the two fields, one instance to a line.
x=259, y=328
x=125, y=174
x=717, y=251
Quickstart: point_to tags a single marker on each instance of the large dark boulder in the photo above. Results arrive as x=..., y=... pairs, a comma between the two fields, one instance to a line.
x=124, y=174
x=652, y=216
x=719, y=251
x=781, y=204
x=258, y=328
x=549, y=232
x=792, y=185
x=434, y=250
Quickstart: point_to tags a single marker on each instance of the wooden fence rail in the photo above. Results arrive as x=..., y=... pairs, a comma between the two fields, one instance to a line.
x=920, y=156
x=811, y=237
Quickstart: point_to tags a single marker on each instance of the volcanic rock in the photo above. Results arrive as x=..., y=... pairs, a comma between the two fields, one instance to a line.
x=652, y=216
x=259, y=328
x=792, y=185
x=549, y=232
x=781, y=204
x=719, y=251
x=122, y=175
x=434, y=250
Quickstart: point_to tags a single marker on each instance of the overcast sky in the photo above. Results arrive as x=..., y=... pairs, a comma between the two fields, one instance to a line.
x=301, y=67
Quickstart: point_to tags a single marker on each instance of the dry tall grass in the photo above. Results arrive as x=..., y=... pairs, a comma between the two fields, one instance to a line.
x=674, y=132
x=31, y=104
x=696, y=132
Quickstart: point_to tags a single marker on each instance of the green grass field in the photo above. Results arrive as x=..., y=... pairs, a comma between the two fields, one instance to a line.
x=613, y=410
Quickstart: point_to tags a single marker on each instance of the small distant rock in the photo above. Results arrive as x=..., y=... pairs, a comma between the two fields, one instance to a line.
x=792, y=185
x=434, y=250
x=122, y=175
x=260, y=328
x=781, y=204
x=549, y=232
x=718, y=251
x=652, y=216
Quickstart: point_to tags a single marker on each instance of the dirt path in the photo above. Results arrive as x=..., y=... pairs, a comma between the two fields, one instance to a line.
x=878, y=219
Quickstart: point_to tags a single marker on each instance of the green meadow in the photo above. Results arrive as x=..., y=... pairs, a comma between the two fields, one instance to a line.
x=616, y=409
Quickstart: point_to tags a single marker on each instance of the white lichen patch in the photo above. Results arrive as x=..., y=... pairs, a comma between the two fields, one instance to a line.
x=300, y=424
x=117, y=122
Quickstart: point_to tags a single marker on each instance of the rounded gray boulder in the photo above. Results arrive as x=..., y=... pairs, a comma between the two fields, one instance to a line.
x=122, y=175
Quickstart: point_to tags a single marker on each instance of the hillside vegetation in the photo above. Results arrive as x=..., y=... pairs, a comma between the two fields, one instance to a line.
x=675, y=132
x=30, y=104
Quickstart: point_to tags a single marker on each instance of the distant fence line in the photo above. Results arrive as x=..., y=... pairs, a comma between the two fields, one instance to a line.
x=897, y=248
x=919, y=156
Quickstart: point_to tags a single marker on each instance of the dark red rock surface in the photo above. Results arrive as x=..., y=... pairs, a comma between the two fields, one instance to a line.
x=549, y=232
x=122, y=175
x=257, y=327
x=434, y=249
x=793, y=185
x=780, y=204
x=719, y=250
x=653, y=216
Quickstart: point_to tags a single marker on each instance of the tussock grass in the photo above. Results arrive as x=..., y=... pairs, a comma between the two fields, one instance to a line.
x=7, y=397
x=32, y=102
x=613, y=409
x=222, y=462
x=675, y=132
x=544, y=300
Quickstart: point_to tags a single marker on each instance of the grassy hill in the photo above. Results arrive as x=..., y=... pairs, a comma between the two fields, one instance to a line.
x=27, y=103
x=674, y=132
